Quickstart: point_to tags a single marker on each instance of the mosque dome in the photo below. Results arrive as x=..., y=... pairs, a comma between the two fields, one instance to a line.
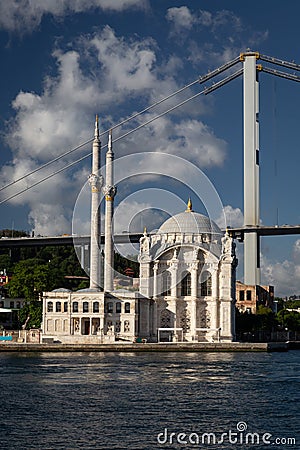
x=190, y=222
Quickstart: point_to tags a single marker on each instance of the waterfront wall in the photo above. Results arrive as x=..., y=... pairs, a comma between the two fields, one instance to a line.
x=157, y=347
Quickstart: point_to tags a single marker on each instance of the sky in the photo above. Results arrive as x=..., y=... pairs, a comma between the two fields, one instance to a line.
x=63, y=62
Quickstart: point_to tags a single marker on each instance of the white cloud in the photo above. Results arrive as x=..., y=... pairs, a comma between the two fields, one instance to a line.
x=181, y=18
x=220, y=35
x=234, y=218
x=284, y=275
x=26, y=15
x=101, y=73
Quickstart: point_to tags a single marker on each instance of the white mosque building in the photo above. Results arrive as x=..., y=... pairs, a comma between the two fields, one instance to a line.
x=187, y=281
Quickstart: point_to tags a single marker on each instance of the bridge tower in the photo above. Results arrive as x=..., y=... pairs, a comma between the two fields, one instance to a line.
x=251, y=168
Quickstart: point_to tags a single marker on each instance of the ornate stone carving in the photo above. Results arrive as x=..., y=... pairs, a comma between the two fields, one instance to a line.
x=185, y=321
x=165, y=319
x=95, y=181
x=109, y=191
x=145, y=243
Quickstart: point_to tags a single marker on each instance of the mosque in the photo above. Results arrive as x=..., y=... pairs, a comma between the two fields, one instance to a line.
x=186, y=282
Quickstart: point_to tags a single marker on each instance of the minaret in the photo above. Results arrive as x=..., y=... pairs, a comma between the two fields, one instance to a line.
x=109, y=191
x=96, y=182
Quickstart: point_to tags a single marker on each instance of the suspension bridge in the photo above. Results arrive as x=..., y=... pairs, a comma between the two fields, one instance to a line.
x=253, y=63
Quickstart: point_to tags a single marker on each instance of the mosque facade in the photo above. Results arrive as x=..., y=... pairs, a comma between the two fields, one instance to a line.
x=187, y=281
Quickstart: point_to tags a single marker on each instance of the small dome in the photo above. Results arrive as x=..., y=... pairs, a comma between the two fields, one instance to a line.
x=190, y=222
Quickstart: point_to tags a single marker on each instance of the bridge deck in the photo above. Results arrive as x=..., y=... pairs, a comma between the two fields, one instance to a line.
x=125, y=238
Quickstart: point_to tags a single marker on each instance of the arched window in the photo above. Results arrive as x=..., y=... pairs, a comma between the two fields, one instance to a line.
x=65, y=306
x=75, y=307
x=206, y=284
x=95, y=307
x=186, y=284
x=58, y=306
x=85, y=307
x=50, y=307
x=127, y=307
x=118, y=307
x=166, y=283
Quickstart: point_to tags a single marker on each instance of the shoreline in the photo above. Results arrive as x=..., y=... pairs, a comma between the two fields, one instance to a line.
x=150, y=347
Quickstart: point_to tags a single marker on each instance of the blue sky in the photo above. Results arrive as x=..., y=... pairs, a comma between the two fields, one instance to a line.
x=63, y=62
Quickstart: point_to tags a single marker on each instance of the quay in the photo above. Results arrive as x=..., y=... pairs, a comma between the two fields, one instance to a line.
x=148, y=347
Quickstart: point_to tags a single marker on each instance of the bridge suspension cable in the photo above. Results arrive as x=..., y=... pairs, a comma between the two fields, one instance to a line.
x=133, y=116
x=43, y=166
x=214, y=86
x=203, y=92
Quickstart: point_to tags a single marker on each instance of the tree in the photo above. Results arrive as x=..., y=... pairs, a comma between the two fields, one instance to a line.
x=289, y=319
x=30, y=278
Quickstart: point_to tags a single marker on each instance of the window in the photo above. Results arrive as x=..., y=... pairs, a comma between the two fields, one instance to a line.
x=126, y=326
x=242, y=296
x=127, y=307
x=206, y=284
x=1, y=304
x=75, y=306
x=249, y=295
x=248, y=310
x=65, y=306
x=85, y=307
x=50, y=307
x=110, y=307
x=166, y=283
x=186, y=285
x=18, y=305
x=118, y=327
x=12, y=304
x=58, y=307
x=118, y=307
x=96, y=307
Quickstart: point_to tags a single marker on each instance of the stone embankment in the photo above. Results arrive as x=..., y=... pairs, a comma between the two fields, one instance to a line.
x=148, y=347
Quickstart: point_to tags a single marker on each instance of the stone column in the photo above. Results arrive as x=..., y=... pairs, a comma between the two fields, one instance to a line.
x=193, y=318
x=95, y=181
x=155, y=280
x=155, y=319
x=109, y=192
x=194, y=279
x=174, y=278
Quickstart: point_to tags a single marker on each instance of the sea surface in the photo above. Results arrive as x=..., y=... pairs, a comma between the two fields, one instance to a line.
x=149, y=401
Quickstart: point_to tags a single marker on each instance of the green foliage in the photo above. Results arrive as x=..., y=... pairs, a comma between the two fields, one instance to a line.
x=289, y=320
x=122, y=263
x=6, y=263
x=266, y=320
x=33, y=311
x=292, y=304
x=30, y=278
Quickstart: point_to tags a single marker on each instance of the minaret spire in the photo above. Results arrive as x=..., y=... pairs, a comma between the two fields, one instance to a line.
x=96, y=183
x=109, y=192
x=189, y=205
x=96, y=134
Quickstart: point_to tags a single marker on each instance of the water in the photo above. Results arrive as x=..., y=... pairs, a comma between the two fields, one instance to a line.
x=124, y=401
